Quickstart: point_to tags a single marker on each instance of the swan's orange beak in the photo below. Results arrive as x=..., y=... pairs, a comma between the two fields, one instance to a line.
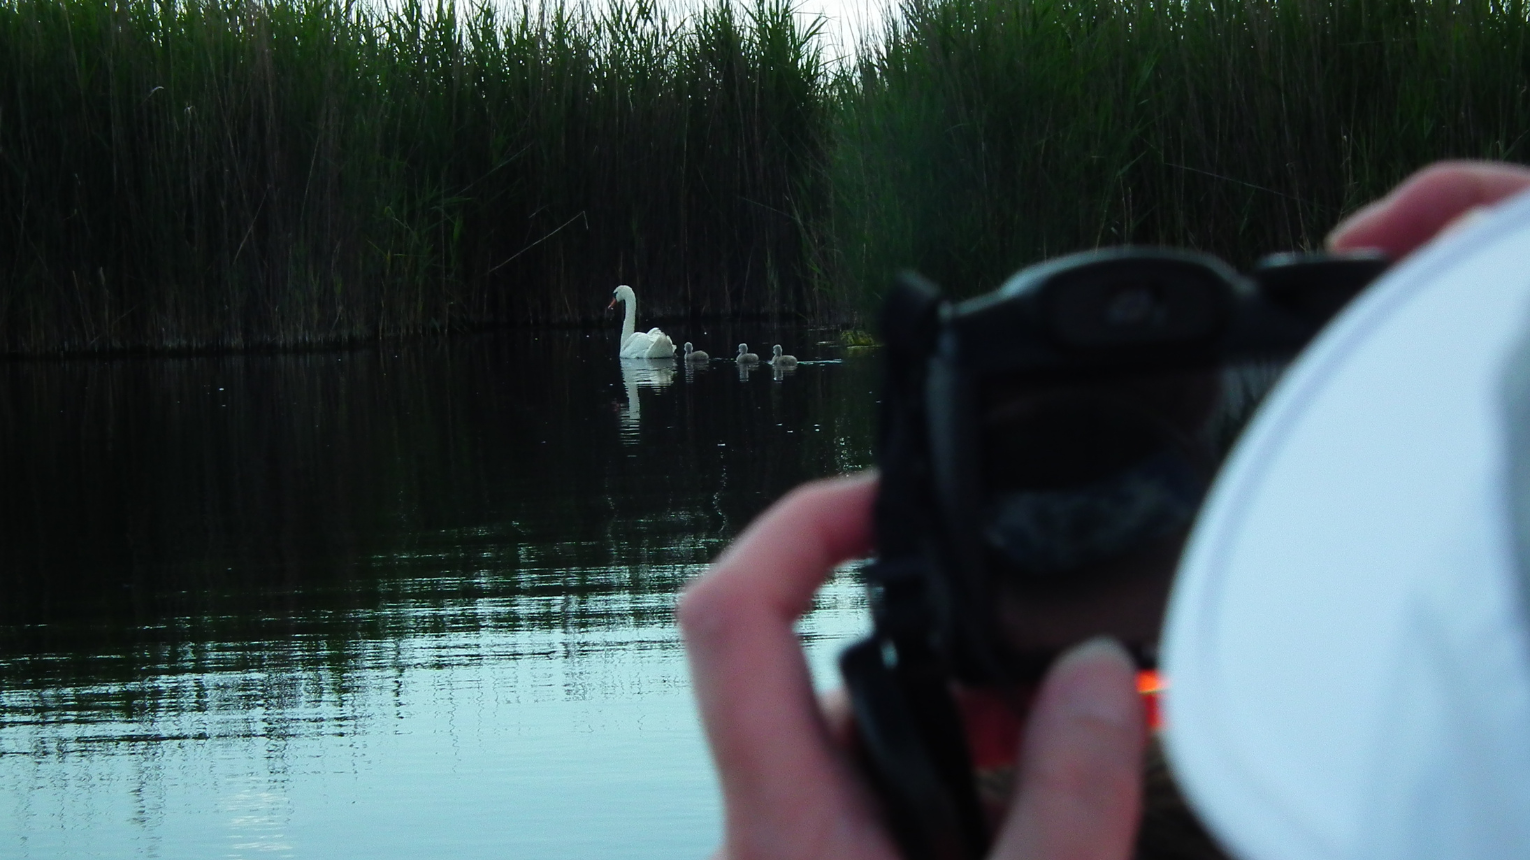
x=612, y=305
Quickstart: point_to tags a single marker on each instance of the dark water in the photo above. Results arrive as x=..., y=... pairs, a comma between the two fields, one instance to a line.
x=412, y=602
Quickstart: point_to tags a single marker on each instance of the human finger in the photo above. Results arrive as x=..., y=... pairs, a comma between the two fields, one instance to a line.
x=1426, y=203
x=1079, y=792
x=838, y=716
x=787, y=788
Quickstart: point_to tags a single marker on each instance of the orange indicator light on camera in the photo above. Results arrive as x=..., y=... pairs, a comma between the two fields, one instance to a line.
x=1149, y=685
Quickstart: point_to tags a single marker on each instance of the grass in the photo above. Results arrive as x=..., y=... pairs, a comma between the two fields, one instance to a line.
x=222, y=174
x=980, y=135
x=229, y=174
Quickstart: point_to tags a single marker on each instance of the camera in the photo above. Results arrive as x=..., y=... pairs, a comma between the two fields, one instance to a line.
x=1043, y=451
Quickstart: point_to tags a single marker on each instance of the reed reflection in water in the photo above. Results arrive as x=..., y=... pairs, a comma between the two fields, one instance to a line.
x=389, y=603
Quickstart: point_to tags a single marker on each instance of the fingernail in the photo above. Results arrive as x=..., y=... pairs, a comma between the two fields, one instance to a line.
x=1342, y=229
x=1097, y=680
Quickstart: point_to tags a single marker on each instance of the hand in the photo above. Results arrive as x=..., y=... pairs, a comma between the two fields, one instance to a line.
x=789, y=785
x=1426, y=203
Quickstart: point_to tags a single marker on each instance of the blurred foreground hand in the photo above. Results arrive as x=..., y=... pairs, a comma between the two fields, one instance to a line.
x=789, y=782
x=1426, y=203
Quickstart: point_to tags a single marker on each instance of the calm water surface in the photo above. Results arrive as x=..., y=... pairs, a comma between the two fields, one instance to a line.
x=413, y=602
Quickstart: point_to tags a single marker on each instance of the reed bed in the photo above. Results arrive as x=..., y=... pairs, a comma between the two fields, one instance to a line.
x=186, y=174
x=227, y=174
x=980, y=135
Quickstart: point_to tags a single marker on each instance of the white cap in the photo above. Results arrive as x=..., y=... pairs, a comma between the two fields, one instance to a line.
x=1347, y=647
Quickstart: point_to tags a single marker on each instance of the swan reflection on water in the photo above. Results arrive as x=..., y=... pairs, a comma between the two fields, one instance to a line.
x=641, y=373
x=694, y=367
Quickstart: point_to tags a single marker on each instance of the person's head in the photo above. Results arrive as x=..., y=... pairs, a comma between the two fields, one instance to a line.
x=1347, y=647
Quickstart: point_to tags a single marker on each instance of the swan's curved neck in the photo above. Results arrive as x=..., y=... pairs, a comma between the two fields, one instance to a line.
x=629, y=324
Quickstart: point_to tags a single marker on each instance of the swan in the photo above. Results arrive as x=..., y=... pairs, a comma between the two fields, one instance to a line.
x=695, y=356
x=745, y=356
x=639, y=344
x=779, y=360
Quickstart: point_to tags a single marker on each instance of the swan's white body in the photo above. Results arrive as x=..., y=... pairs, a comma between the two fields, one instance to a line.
x=695, y=356
x=745, y=356
x=639, y=344
x=779, y=360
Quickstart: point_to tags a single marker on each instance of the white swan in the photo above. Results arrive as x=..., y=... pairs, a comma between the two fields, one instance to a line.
x=779, y=360
x=746, y=357
x=695, y=356
x=639, y=344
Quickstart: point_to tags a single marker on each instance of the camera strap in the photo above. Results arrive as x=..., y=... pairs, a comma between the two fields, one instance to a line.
x=915, y=750
x=911, y=735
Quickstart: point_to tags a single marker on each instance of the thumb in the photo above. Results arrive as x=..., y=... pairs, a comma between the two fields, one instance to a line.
x=1079, y=794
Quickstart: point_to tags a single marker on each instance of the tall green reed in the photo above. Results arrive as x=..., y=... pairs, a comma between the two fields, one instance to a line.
x=227, y=173
x=979, y=135
x=238, y=173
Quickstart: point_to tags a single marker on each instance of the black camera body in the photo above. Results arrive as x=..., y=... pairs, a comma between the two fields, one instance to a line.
x=1043, y=452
